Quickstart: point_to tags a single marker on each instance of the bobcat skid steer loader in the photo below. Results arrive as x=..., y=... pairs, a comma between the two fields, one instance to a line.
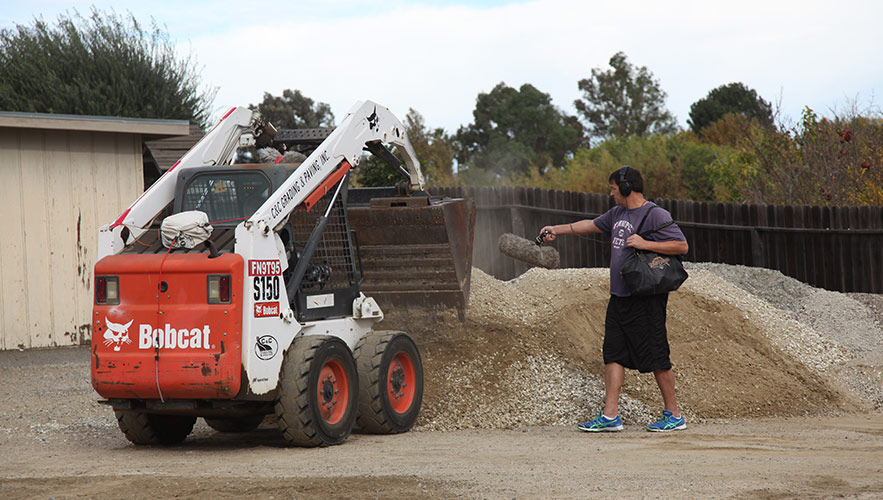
x=232, y=288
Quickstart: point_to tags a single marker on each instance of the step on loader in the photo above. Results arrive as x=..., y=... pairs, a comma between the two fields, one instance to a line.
x=235, y=286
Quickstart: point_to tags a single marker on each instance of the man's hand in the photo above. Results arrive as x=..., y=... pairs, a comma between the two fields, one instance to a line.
x=636, y=241
x=547, y=234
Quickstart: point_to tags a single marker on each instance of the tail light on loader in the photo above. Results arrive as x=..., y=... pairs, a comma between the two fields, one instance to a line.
x=107, y=290
x=219, y=289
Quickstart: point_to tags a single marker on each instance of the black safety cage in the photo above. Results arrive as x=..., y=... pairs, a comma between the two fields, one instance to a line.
x=331, y=277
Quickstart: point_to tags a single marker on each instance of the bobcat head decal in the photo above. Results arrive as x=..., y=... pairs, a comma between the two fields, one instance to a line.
x=117, y=334
x=373, y=119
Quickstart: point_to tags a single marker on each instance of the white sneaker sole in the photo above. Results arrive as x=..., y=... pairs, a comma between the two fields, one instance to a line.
x=602, y=429
x=678, y=428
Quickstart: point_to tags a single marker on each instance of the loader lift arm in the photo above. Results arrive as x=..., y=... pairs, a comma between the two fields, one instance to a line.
x=367, y=123
x=417, y=251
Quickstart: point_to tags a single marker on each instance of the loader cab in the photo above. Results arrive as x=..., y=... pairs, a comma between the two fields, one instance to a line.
x=228, y=195
x=232, y=194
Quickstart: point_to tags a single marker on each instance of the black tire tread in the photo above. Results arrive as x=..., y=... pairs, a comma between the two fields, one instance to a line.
x=369, y=356
x=293, y=410
x=145, y=428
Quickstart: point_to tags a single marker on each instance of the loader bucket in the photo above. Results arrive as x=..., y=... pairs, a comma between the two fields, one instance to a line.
x=416, y=252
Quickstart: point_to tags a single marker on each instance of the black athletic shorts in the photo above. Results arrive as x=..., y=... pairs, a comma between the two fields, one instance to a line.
x=635, y=334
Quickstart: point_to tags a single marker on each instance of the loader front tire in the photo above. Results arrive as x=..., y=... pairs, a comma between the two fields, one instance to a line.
x=149, y=428
x=318, y=392
x=235, y=424
x=390, y=382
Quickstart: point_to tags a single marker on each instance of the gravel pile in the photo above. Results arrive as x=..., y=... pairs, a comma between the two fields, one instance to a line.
x=781, y=327
x=529, y=351
x=851, y=322
x=539, y=390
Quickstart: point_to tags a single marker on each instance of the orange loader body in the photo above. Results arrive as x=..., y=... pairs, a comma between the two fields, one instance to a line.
x=164, y=340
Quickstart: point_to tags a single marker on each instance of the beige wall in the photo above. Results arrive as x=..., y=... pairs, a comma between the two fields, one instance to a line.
x=56, y=188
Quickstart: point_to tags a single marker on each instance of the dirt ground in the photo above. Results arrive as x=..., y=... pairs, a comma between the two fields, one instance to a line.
x=58, y=443
x=775, y=410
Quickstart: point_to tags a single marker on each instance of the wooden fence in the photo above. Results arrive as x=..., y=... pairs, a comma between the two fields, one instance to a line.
x=836, y=248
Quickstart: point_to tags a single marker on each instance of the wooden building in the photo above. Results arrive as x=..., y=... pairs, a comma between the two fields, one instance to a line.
x=61, y=177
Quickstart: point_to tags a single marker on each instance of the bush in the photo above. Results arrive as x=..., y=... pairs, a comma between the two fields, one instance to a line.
x=104, y=65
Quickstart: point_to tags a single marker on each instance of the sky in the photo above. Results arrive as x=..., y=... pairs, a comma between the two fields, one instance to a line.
x=437, y=56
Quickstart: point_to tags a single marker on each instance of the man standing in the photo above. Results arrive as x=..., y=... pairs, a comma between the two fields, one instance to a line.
x=635, y=336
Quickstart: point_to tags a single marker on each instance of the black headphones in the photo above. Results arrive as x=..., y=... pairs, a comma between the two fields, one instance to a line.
x=625, y=187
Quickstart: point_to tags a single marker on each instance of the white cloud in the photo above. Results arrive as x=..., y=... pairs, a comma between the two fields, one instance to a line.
x=436, y=57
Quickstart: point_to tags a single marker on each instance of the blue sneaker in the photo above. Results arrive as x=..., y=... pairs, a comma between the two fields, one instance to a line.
x=602, y=424
x=668, y=423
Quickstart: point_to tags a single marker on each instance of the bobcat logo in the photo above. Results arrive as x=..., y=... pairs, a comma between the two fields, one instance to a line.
x=373, y=119
x=116, y=334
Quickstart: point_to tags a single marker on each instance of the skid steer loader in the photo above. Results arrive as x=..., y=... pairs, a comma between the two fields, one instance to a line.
x=233, y=288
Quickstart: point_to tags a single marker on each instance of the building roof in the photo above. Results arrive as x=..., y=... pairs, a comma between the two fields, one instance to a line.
x=165, y=152
x=144, y=126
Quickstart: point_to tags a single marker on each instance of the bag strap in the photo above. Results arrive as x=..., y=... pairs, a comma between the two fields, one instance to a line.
x=638, y=231
x=662, y=226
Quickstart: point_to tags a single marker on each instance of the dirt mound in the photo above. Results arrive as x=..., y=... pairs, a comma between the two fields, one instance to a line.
x=529, y=353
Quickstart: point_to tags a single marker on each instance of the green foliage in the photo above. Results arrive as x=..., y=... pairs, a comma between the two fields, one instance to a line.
x=733, y=98
x=514, y=130
x=818, y=161
x=695, y=159
x=294, y=110
x=729, y=130
x=434, y=149
x=374, y=172
x=673, y=167
x=835, y=160
x=624, y=101
x=104, y=65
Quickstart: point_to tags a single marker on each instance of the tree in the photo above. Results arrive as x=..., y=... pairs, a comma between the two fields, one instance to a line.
x=514, y=129
x=819, y=161
x=434, y=149
x=624, y=101
x=104, y=65
x=294, y=110
x=726, y=99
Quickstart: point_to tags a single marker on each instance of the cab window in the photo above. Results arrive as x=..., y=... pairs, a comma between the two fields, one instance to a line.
x=226, y=196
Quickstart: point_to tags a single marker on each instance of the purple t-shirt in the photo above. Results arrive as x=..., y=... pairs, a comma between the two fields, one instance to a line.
x=620, y=223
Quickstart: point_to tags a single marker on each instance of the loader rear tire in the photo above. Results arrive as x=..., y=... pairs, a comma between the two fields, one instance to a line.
x=235, y=424
x=318, y=392
x=390, y=382
x=149, y=428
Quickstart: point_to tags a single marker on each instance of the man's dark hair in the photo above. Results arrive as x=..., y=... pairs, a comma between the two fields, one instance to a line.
x=632, y=176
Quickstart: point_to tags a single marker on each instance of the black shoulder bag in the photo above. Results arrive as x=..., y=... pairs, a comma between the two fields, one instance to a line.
x=650, y=273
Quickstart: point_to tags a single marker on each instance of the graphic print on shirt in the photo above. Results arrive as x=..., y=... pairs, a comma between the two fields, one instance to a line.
x=620, y=232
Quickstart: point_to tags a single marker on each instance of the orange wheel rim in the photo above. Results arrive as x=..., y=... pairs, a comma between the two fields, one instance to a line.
x=400, y=382
x=333, y=391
